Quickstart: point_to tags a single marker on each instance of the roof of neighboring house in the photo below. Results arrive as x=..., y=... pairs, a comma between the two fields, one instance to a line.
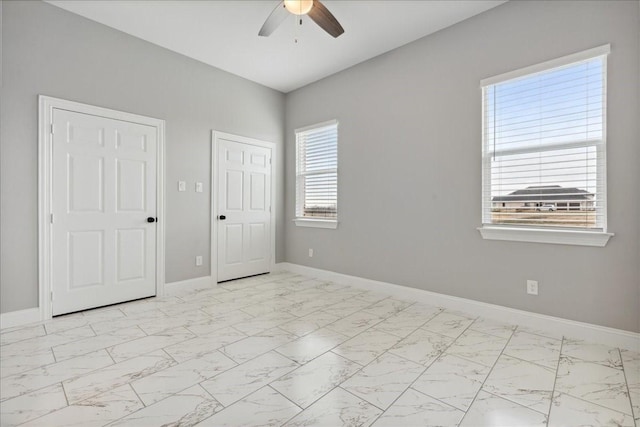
x=545, y=193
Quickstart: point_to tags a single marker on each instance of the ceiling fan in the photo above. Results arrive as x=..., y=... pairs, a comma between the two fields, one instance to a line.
x=316, y=11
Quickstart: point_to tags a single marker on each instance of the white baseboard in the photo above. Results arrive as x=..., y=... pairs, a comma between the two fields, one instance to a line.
x=553, y=325
x=175, y=288
x=19, y=318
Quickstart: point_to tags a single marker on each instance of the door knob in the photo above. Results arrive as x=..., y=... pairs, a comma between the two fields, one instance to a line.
x=151, y=219
x=222, y=217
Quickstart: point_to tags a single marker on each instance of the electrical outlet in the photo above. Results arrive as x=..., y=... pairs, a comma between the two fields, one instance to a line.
x=198, y=260
x=310, y=253
x=182, y=186
x=532, y=287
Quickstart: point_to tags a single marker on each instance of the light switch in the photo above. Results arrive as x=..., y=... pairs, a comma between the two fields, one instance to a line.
x=198, y=187
x=182, y=186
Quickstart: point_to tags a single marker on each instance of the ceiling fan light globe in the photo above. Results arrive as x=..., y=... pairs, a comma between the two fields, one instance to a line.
x=298, y=7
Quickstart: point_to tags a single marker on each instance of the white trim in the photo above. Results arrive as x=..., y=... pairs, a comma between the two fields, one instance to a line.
x=317, y=126
x=547, y=65
x=189, y=285
x=538, y=235
x=601, y=166
x=554, y=326
x=19, y=318
x=46, y=105
x=316, y=223
x=215, y=136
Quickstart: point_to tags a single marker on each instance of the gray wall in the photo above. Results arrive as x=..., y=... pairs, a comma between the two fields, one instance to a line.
x=49, y=51
x=409, y=158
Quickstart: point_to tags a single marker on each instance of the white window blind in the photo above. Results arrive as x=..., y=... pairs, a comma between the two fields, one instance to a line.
x=544, y=145
x=317, y=171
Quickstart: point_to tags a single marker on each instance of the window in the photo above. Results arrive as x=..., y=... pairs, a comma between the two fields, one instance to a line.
x=317, y=175
x=543, y=150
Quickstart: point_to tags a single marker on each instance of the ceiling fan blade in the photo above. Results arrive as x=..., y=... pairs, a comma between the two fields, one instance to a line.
x=274, y=20
x=321, y=16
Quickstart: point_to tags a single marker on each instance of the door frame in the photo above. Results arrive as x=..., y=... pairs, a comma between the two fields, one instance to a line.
x=46, y=105
x=216, y=136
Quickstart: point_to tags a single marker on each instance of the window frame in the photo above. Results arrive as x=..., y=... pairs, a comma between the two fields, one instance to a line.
x=532, y=233
x=314, y=222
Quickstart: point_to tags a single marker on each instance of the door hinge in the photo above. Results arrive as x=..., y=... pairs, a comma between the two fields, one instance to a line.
x=51, y=295
x=51, y=217
x=52, y=128
x=269, y=160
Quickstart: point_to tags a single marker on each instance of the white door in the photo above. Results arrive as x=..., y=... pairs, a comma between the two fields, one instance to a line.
x=103, y=199
x=244, y=209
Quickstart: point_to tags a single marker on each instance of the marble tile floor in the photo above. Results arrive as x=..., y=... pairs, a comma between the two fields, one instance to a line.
x=285, y=349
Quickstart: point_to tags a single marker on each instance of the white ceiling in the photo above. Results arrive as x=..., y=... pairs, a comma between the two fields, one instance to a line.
x=224, y=34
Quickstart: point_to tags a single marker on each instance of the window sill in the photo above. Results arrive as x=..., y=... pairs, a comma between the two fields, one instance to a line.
x=316, y=223
x=538, y=235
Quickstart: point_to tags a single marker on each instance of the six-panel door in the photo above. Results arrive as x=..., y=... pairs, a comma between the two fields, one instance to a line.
x=104, y=189
x=244, y=209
